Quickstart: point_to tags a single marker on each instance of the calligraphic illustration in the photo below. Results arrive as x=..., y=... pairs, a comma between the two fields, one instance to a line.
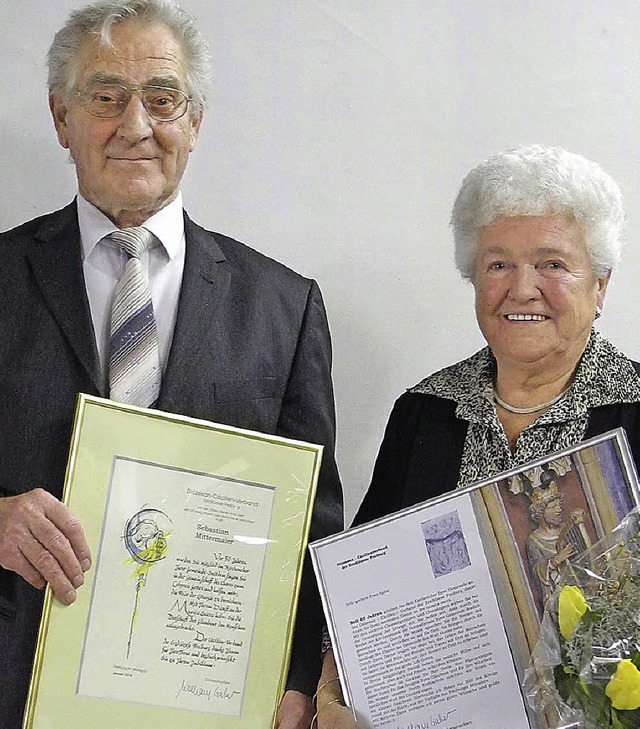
x=445, y=544
x=174, y=614
x=145, y=538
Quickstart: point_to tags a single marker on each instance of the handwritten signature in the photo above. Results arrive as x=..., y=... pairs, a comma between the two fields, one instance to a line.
x=435, y=720
x=206, y=693
x=192, y=688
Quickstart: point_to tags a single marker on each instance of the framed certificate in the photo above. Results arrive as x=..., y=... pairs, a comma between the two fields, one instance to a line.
x=433, y=611
x=198, y=533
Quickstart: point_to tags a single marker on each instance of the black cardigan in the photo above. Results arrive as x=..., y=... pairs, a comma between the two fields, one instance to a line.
x=421, y=452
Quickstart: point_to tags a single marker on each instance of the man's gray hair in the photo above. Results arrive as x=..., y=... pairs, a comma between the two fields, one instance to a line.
x=540, y=180
x=97, y=19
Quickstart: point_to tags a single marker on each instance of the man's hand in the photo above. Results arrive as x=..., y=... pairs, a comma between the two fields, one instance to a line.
x=42, y=541
x=295, y=711
x=563, y=555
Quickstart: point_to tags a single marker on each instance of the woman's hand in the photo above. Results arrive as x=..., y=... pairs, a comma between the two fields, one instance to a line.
x=331, y=713
x=336, y=716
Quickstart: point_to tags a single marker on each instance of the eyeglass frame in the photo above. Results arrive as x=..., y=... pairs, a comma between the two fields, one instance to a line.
x=140, y=89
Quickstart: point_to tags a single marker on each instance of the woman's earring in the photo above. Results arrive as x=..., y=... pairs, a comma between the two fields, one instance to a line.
x=598, y=311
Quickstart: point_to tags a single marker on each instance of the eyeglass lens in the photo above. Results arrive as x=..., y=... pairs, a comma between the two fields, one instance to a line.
x=110, y=100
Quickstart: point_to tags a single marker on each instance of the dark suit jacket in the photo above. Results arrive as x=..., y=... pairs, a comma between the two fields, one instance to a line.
x=251, y=348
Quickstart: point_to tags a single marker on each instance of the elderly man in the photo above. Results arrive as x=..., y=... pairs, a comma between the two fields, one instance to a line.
x=224, y=333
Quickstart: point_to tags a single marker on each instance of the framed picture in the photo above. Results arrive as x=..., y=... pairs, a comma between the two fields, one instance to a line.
x=537, y=520
x=198, y=533
x=433, y=610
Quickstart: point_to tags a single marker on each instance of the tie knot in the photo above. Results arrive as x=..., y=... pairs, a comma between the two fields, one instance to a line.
x=133, y=240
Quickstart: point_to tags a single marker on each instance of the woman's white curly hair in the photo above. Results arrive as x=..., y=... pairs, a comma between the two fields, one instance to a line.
x=540, y=180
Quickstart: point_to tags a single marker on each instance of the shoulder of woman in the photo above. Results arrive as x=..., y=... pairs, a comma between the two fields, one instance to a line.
x=455, y=380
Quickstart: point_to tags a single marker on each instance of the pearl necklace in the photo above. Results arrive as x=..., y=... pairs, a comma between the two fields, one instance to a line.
x=526, y=411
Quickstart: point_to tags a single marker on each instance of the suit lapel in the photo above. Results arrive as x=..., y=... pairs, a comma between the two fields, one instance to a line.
x=205, y=283
x=56, y=260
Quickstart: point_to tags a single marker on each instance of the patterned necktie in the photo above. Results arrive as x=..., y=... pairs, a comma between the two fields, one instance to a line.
x=134, y=361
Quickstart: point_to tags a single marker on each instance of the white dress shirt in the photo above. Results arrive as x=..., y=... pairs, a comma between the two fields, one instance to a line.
x=104, y=262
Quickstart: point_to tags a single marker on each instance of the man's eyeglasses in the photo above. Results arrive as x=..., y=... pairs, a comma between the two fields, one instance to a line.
x=108, y=101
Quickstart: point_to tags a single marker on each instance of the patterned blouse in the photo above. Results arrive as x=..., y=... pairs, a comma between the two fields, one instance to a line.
x=604, y=376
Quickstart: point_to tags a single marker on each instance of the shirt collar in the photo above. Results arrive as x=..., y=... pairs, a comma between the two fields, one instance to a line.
x=604, y=376
x=167, y=225
x=468, y=383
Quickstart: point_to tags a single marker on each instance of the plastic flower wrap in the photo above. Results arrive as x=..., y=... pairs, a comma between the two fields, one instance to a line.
x=585, y=668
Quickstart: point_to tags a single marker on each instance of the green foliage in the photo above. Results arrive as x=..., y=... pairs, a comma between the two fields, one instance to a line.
x=605, y=634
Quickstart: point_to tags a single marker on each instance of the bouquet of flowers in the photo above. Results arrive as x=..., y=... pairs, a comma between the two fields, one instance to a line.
x=585, y=668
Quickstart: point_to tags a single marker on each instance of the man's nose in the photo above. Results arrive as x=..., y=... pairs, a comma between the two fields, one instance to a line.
x=135, y=122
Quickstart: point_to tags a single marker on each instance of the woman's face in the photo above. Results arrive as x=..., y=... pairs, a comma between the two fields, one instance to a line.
x=536, y=293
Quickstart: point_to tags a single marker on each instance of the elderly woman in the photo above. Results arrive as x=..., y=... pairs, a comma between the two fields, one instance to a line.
x=537, y=232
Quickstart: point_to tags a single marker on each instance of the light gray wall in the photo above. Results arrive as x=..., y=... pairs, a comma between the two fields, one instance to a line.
x=336, y=138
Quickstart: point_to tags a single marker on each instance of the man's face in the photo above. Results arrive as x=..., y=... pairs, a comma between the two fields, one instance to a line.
x=552, y=514
x=129, y=166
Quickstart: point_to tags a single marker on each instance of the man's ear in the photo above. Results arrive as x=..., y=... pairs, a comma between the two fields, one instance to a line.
x=194, y=130
x=58, y=107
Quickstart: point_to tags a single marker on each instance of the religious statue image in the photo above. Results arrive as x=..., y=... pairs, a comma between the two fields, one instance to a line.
x=559, y=534
x=557, y=538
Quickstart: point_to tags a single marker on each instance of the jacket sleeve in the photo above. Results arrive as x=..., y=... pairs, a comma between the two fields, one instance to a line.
x=419, y=457
x=308, y=413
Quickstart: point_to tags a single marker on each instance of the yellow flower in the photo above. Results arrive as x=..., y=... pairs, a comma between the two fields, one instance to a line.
x=571, y=607
x=624, y=687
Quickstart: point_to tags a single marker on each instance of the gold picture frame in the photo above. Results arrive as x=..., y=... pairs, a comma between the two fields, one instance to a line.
x=198, y=533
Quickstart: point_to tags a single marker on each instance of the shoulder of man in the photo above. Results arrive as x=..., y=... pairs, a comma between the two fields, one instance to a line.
x=41, y=226
x=251, y=262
